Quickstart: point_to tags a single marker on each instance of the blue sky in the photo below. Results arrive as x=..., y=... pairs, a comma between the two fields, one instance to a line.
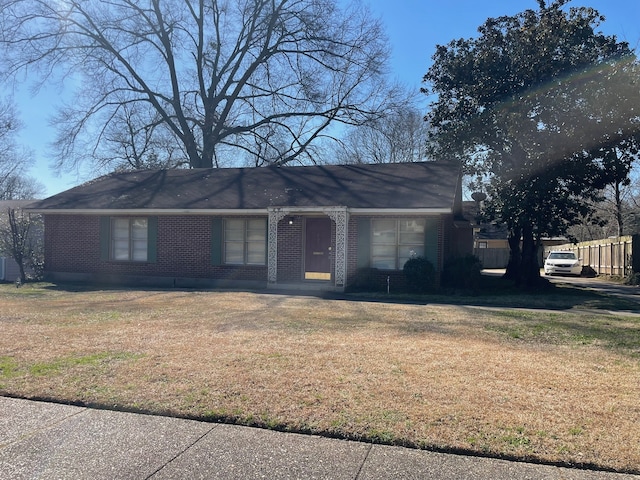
x=414, y=28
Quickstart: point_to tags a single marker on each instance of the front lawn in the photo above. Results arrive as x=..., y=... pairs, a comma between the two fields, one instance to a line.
x=548, y=385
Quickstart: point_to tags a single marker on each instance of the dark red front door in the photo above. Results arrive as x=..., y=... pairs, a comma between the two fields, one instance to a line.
x=317, y=258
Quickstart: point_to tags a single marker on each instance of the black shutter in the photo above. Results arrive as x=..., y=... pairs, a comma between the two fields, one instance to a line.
x=216, y=241
x=105, y=238
x=431, y=228
x=152, y=239
x=364, y=242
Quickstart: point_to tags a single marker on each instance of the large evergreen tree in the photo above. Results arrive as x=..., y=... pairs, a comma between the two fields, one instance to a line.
x=532, y=106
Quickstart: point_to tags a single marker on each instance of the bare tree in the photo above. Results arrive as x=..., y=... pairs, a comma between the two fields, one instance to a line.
x=10, y=158
x=399, y=137
x=15, y=184
x=614, y=213
x=21, y=239
x=137, y=140
x=21, y=187
x=222, y=76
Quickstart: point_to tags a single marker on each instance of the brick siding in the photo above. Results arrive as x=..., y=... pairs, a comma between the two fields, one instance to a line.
x=290, y=249
x=392, y=278
x=72, y=245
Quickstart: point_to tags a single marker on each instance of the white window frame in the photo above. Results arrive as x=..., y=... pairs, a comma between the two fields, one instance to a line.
x=247, y=238
x=402, y=250
x=129, y=244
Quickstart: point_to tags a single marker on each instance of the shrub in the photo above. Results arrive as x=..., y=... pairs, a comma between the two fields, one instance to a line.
x=632, y=279
x=462, y=273
x=420, y=275
x=365, y=280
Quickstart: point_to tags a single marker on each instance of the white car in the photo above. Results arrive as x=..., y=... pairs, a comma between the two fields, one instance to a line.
x=562, y=263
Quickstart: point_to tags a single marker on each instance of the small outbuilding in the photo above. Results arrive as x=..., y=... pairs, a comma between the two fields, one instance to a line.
x=310, y=227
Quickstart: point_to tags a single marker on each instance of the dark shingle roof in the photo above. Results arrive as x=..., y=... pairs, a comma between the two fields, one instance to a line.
x=380, y=186
x=6, y=204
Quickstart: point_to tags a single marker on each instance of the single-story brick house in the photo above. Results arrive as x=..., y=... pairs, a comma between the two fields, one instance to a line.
x=304, y=226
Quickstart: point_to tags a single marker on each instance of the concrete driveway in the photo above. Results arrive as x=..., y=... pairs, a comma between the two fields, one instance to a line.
x=600, y=284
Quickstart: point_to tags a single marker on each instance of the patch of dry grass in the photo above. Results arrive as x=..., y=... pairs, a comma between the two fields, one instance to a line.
x=555, y=387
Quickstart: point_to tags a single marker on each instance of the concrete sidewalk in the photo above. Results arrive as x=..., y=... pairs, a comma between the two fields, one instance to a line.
x=51, y=441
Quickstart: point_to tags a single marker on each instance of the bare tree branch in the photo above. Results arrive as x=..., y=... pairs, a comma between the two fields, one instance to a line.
x=215, y=73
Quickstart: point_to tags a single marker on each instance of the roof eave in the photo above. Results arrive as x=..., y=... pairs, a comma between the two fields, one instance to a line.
x=234, y=211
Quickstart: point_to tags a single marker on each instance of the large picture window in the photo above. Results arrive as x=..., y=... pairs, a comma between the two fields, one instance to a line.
x=245, y=241
x=396, y=240
x=129, y=239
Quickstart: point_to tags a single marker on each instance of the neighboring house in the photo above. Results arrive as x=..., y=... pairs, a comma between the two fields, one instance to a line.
x=287, y=227
x=490, y=243
x=490, y=240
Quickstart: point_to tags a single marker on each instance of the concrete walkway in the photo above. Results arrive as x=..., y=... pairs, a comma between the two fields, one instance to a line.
x=50, y=441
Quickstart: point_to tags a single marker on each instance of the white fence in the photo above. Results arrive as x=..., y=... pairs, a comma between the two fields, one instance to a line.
x=9, y=270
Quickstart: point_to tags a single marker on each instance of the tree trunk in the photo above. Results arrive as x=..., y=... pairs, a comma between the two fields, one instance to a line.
x=23, y=275
x=196, y=160
x=523, y=265
x=19, y=232
x=529, y=268
x=513, y=267
x=618, y=201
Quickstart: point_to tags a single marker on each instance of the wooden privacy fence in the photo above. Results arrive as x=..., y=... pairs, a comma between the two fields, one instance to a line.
x=609, y=256
x=492, y=257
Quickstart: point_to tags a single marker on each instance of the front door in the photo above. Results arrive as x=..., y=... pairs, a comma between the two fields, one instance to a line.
x=317, y=258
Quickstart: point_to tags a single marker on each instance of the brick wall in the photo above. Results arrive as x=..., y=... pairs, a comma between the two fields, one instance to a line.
x=72, y=245
x=395, y=279
x=184, y=250
x=290, y=249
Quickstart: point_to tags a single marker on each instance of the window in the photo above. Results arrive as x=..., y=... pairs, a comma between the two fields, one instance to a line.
x=129, y=239
x=245, y=241
x=483, y=245
x=562, y=256
x=394, y=241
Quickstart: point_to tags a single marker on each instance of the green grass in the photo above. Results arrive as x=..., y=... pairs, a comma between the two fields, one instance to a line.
x=614, y=332
x=10, y=367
